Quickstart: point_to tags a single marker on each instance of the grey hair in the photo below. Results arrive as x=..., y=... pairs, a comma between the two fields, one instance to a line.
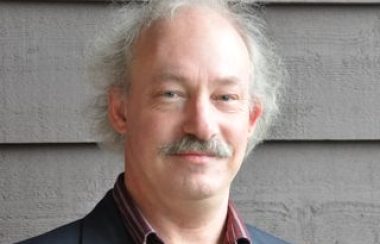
x=111, y=54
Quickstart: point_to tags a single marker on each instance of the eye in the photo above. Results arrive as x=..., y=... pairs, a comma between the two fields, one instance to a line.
x=227, y=97
x=169, y=94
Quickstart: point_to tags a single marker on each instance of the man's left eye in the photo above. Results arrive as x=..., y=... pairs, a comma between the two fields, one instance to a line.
x=227, y=97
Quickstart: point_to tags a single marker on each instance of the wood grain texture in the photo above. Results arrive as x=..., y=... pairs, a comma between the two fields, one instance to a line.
x=332, y=52
x=44, y=186
x=313, y=192
x=333, y=56
x=43, y=93
x=319, y=1
x=252, y=1
x=309, y=192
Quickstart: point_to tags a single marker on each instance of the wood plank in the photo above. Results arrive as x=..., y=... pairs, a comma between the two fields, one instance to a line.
x=303, y=192
x=333, y=56
x=312, y=192
x=44, y=186
x=332, y=53
x=318, y=1
x=253, y=1
x=43, y=91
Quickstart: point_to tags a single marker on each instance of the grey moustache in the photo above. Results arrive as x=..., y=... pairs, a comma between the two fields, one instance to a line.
x=189, y=143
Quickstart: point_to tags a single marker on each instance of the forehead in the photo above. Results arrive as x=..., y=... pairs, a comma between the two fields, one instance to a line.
x=194, y=39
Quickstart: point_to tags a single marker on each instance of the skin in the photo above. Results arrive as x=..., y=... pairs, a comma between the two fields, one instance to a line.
x=190, y=76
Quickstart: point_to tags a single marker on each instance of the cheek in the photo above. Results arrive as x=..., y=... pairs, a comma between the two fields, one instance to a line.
x=155, y=129
x=236, y=133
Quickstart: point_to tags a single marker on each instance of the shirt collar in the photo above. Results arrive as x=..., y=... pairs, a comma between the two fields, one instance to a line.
x=236, y=231
x=136, y=225
x=142, y=232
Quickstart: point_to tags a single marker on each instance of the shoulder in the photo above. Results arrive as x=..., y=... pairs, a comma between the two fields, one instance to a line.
x=261, y=237
x=102, y=225
x=69, y=233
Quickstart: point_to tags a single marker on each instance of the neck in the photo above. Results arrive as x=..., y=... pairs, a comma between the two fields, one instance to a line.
x=178, y=220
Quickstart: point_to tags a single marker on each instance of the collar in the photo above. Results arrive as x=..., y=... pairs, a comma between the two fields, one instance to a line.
x=142, y=232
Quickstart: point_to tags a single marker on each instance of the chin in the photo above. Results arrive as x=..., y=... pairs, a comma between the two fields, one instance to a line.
x=201, y=189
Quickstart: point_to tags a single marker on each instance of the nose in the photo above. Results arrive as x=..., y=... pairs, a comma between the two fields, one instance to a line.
x=200, y=120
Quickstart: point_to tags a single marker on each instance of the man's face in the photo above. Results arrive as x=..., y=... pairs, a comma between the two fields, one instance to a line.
x=190, y=77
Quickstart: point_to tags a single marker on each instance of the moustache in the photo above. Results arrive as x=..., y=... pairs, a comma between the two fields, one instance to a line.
x=190, y=143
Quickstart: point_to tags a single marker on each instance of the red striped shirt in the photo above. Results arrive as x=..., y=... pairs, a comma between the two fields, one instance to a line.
x=142, y=232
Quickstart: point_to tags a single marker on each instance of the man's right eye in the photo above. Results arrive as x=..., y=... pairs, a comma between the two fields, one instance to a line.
x=169, y=94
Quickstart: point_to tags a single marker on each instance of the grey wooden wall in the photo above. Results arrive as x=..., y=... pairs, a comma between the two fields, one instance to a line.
x=316, y=180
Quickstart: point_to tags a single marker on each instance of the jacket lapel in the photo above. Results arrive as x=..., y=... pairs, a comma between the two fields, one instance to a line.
x=104, y=224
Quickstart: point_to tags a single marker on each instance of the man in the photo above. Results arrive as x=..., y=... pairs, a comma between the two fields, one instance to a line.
x=191, y=90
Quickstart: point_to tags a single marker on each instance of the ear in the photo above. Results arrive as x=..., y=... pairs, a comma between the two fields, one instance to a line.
x=254, y=114
x=117, y=111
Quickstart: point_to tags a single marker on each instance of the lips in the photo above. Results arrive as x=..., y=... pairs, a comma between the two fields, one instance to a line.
x=195, y=154
x=195, y=157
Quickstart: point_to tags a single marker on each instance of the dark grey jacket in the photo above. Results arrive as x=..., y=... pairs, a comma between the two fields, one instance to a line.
x=104, y=225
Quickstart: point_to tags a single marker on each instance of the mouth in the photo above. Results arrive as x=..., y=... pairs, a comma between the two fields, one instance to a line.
x=196, y=153
x=195, y=157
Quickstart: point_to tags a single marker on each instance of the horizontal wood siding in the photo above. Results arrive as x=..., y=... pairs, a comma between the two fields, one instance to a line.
x=309, y=192
x=304, y=191
x=332, y=53
x=249, y=1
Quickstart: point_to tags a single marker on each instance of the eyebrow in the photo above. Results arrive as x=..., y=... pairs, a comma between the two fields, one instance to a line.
x=171, y=77
x=230, y=80
x=178, y=78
